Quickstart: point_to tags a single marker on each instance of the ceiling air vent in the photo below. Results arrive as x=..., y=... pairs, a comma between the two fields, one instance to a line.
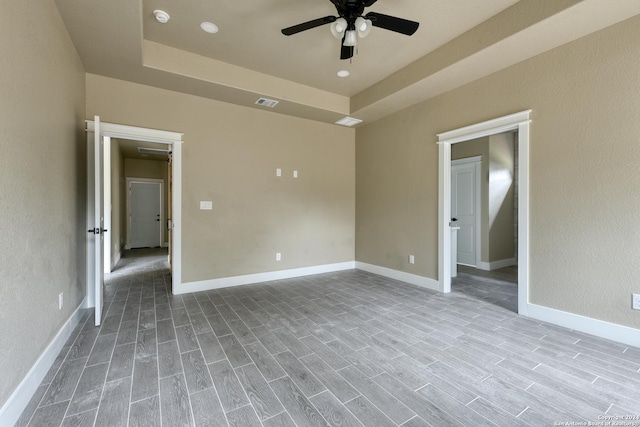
x=348, y=121
x=264, y=102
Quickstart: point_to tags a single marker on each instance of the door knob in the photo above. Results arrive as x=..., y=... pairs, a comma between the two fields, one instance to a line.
x=97, y=230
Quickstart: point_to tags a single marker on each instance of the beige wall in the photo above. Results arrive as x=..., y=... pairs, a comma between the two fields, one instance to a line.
x=153, y=169
x=501, y=189
x=584, y=156
x=230, y=155
x=43, y=185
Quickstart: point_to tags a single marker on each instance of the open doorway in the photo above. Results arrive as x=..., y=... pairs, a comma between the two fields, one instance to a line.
x=484, y=189
x=104, y=181
x=137, y=197
x=518, y=125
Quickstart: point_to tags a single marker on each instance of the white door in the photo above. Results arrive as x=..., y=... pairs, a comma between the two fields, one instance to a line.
x=465, y=210
x=95, y=220
x=145, y=214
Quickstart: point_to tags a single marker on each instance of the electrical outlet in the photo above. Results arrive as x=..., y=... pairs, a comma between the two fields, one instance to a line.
x=412, y=259
x=60, y=300
x=295, y=174
x=635, y=301
x=278, y=256
x=278, y=172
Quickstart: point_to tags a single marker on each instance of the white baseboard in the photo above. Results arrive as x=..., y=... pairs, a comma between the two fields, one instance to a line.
x=225, y=282
x=494, y=265
x=588, y=325
x=20, y=398
x=414, y=279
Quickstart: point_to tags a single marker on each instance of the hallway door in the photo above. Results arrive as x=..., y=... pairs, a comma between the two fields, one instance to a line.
x=465, y=209
x=145, y=210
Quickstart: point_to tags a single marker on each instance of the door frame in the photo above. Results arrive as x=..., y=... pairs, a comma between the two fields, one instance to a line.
x=514, y=122
x=132, y=180
x=477, y=162
x=174, y=140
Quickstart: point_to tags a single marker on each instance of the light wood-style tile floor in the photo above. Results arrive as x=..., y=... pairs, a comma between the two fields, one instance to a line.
x=340, y=349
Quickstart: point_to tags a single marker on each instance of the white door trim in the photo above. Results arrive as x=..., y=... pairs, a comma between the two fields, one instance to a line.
x=174, y=139
x=132, y=180
x=477, y=161
x=514, y=122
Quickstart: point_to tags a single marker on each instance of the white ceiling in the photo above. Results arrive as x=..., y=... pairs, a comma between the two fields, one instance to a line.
x=458, y=41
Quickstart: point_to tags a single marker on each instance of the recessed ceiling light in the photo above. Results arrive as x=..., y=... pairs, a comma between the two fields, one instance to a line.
x=348, y=121
x=161, y=16
x=343, y=73
x=209, y=27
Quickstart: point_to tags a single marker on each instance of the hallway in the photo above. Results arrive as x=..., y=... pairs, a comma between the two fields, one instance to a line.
x=499, y=287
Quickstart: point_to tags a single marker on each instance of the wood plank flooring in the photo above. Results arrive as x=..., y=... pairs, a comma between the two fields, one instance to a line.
x=339, y=349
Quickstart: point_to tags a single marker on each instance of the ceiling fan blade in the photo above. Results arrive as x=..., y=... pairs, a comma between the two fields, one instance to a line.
x=308, y=25
x=346, y=52
x=391, y=23
x=369, y=3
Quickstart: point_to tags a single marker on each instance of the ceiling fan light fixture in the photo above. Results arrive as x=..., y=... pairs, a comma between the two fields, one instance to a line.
x=161, y=16
x=350, y=38
x=338, y=27
x=363, y=26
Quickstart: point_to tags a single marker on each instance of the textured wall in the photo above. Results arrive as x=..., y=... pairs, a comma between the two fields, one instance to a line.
x=584, y=175
x=230, y=155
x=43, y=185
x=501, y=189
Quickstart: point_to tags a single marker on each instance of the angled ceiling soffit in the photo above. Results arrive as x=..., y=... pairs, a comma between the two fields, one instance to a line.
x=248, y=84
x=528, y=28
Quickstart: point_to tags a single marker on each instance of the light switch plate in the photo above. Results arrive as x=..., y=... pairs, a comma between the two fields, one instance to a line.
x=278, y=172
x=206, y=205
x=635, y=301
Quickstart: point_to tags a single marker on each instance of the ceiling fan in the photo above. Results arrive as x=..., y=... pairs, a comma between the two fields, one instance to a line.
x=350, y=23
